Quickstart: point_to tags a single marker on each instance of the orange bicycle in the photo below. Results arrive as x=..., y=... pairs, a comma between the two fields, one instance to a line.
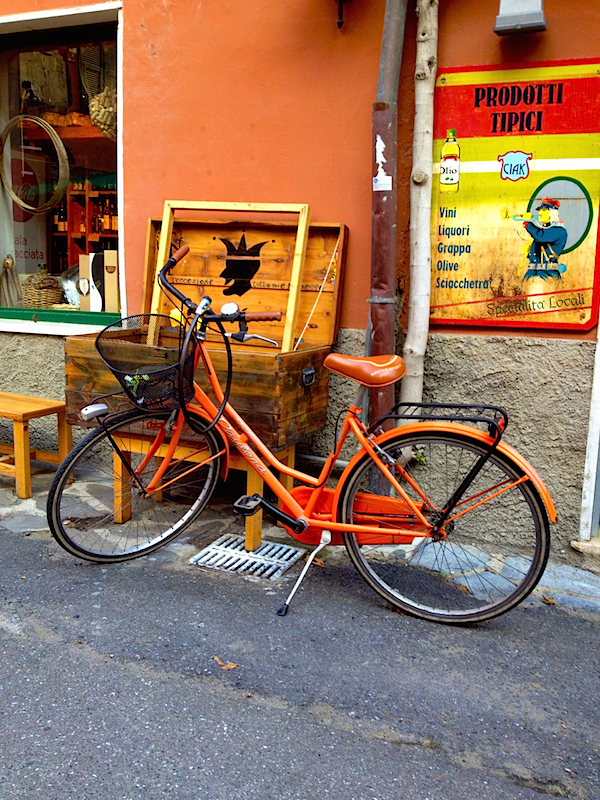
x=439, y=515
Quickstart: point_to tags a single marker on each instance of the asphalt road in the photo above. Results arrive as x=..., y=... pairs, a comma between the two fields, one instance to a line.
x=111, y=690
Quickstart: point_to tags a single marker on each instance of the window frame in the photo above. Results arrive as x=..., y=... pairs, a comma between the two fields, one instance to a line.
x=31, y=27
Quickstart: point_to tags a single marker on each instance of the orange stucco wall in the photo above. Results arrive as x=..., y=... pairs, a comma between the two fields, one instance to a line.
x=258, y=101
x=467, y=35
x=267, y=101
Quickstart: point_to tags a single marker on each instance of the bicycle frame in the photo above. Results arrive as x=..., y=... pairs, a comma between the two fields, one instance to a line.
x=239, y=434
x=319, y=503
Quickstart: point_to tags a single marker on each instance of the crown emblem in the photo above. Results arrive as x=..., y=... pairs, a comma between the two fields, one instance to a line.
x=241, y=266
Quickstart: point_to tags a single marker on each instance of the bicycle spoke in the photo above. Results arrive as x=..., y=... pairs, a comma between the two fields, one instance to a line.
x=98, y=509
x=495, y=545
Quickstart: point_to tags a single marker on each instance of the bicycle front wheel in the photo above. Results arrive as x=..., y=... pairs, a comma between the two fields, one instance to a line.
x=494, y=553
x=97, y=507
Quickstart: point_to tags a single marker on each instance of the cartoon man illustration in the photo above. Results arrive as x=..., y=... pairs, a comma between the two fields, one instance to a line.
x=549, y=239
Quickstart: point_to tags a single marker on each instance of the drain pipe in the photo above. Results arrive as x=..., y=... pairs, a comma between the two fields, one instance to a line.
x=339, y=466
x=381, y=331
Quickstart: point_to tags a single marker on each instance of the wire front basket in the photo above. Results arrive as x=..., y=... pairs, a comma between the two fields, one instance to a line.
x=144, y=354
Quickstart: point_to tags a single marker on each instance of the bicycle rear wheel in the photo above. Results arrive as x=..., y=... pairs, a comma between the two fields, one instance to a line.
x=96, y=508
x=494, y=554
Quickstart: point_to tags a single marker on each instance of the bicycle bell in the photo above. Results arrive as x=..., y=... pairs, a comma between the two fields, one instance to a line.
x=229, y=309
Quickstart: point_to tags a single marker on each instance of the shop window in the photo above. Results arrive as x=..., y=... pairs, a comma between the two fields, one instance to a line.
x=59, y=214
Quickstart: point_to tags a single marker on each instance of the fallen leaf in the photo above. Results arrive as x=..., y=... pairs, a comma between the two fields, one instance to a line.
x=550, y=601
x=229, y=665
x=464, y=589
x=317, y=562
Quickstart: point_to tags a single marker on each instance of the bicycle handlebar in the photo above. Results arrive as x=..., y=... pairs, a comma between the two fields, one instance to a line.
x=181, y=253
x=164, y=281
x=248, y=316
x=262, y=316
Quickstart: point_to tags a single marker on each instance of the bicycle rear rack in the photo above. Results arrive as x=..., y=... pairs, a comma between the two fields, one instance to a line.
x=493, y=418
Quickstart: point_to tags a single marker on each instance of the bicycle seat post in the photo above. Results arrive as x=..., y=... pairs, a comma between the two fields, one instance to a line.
x=360, y=400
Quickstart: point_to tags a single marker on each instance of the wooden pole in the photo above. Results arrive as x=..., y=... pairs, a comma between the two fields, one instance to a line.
x=415, y=344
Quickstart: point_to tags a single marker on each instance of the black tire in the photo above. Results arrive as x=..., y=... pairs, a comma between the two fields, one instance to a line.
x=493, y=556
x=81, y=501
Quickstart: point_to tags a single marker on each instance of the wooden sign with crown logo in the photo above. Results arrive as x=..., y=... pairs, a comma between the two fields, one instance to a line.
x=278, y=263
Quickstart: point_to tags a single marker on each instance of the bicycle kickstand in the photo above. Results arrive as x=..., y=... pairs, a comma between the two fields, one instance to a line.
x=325, y=540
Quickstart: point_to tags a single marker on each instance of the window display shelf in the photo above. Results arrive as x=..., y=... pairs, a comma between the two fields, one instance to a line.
x=86, y=221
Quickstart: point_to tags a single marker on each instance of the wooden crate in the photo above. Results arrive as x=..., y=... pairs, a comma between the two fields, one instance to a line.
x=319, y=297
x=268, y=388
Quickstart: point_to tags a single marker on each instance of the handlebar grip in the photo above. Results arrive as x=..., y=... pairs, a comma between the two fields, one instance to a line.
x=165, y=283
x=262, y=316
x=181, y=253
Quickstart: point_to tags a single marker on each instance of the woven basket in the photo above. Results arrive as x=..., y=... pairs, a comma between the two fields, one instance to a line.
x=144, y=353
x=41, y=290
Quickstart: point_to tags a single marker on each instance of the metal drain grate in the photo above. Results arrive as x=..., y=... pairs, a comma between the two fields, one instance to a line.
x=270, y=561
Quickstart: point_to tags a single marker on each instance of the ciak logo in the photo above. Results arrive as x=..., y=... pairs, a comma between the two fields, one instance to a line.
x=515, y=165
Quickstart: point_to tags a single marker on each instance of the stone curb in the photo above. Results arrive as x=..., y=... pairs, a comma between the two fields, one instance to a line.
x=569, y=587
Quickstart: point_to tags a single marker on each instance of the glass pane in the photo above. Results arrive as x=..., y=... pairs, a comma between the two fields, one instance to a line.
x=58, y=111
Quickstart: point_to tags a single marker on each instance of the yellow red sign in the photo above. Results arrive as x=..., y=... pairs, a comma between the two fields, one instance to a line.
x=516, y=196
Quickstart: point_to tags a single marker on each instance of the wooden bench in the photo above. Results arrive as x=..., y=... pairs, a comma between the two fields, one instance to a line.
x=15, y=459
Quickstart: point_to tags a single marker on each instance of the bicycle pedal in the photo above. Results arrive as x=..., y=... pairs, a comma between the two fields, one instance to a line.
x=247, y=505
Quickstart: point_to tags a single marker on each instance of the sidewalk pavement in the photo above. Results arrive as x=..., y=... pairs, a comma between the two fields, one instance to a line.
x=567, y=587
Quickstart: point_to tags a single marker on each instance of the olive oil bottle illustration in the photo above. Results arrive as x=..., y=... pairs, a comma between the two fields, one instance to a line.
x=450, y=163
